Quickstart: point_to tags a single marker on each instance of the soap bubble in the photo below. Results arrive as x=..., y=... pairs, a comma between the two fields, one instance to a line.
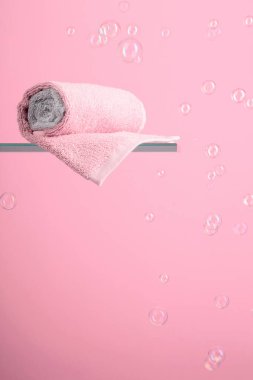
x=185, y=108
x=210, y=230
x=158, y=317
x=149, y=216
x=221, y=301
x=238, y=95
x=8, y=201
x=212, y=150
x=208, y=87
x=248, y=200
x=212, y=224
x=161, y=173
x=164, y=278
x=130, y=49
x=96, y=40
x=165, y=33
x=70, y=30
x=248, y=21
x=214, y=29
x=124, y=6
x=132, y=30
x=213, y=24
x=211, y=175
x=216, y=355
x=220, y=170
x=213, y=220
x=109, y=28
x=249, y=103
x=240, y=228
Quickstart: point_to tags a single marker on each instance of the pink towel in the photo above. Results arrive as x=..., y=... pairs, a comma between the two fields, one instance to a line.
x=99, y=129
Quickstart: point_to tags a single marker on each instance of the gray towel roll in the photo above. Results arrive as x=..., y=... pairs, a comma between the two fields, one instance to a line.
x=45, y=110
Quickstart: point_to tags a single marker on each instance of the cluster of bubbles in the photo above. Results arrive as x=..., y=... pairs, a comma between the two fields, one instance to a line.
x=212, y=151
x=221, y=301
x=239, y=96
x=130, y=48
x=214, y=359
x=106, y=31
x=212, y=224
x=214, y=27
x=208, y=87
x=8, y=201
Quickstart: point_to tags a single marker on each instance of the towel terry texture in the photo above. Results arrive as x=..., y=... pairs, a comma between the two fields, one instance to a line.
x=90, y=127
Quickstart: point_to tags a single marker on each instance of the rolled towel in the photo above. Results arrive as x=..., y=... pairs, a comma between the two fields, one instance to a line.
x=90, y=127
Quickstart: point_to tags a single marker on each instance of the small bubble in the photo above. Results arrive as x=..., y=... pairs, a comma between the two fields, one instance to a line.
x=161, y=173
x=216, y=355
x=221, y=301
x=212, y=150
x=208, y=87
x=124, y=6
x=214, y=29
x=165, y=33
x=70, y=30
x=240, y=228
x=211, y=175
x=249, y=103
x=149, y=216
x=210, y=230
x=213, y=220
x=96, y=40
x=248, y=21
x=158, y=317
x=238, y=95
x=8, y=201
x=164, y=278
x=110, y=29
x=132, y=30
x=220, y=170
x=130, y=49
x=185, y=108
x=213, y=24
x=248, y=200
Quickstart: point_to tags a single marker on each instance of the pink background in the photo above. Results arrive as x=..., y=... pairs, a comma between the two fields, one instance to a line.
x=79, y=264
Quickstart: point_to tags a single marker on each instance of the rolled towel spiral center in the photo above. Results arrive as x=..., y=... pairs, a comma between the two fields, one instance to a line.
x=45, y=110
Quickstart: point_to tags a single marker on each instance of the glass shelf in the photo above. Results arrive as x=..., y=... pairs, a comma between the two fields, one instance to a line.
x=145, y=147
